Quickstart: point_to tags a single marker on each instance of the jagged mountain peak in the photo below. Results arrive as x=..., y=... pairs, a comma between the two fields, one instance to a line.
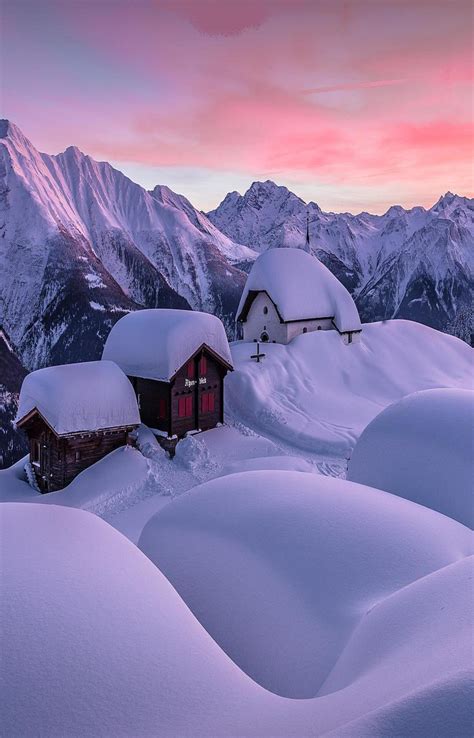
x=10, y=130
x=73, y=152
x=449, y=199
x=15, y=140
x=269, y=190
x=267, y=186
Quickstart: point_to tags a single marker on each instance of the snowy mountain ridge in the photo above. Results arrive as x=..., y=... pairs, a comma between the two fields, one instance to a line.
x=416, y=263
x=81, y=244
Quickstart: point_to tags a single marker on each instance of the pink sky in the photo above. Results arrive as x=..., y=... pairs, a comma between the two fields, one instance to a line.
x=356, y=105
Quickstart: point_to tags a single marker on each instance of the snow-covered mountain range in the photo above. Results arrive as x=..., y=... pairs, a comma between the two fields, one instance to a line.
x=81, y=244
x=416, y=264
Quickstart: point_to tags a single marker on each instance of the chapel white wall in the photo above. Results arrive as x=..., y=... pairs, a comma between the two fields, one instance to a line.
x=257, y=321
x=296, y=328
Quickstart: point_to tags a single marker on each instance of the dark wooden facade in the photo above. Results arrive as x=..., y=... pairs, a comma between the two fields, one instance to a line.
x=56, y=460
x=193, y=399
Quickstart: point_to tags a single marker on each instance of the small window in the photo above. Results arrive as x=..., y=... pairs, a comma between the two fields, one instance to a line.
x=319, y=327
x=139, y=400
x=189, y=406
x=78, y=455
x=305, y=329
x=191, y=369
x=36, y=453
x=265, y=310
x=203, y=366
x=207, y=402
x=185, y=407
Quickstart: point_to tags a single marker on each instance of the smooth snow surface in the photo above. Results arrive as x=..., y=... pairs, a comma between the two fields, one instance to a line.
x=80, y=397
x=96, y=642
x=317, y=395
x=154, y=344
x=301, y=288
x=422, y=448
x=280, y=567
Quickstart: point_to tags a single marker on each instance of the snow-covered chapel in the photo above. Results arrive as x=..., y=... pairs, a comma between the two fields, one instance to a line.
x=289, y=292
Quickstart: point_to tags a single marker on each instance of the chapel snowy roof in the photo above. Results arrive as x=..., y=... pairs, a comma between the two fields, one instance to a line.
x=154, y=344
x=301, y=287
x=80, y=397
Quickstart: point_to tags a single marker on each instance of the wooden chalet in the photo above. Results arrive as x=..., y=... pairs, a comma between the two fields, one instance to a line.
x=74, y=415
x=176, y=361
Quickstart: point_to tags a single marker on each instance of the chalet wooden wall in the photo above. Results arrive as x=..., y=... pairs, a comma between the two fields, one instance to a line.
x=62, y=458
x=209, y=381
x=151, y=395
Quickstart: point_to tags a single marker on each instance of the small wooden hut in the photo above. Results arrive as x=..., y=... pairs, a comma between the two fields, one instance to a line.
x=73, y=415
x=176, y=361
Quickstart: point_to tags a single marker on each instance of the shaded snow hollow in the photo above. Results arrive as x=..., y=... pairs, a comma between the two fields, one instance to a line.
x=302, y=288
x=422, y=448
x=154, y=344
x=280, y=567
x=80, y=397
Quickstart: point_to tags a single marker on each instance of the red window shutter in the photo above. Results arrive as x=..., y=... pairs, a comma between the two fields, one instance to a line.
x=191, y=369
x=182, y=407
x=211, y=402
x=204, y=402
x=189, y=406
x=203, y=366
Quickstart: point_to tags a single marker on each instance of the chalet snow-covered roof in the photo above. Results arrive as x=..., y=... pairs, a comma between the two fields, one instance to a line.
x=154, y=344
x=301, y=287
x=80, y=397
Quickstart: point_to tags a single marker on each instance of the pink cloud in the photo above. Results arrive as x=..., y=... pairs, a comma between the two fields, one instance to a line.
x=340, y=92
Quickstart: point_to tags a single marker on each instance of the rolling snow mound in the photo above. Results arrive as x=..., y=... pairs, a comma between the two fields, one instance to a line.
x=96, y=642
x=422, y=448
x=280, y=567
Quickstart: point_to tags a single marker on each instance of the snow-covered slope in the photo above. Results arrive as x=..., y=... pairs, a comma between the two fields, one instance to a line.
x=81, y=244
x=416, y=264
x=422, y=448
x=318, y=395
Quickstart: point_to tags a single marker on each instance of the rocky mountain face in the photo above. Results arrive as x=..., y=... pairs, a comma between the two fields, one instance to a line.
x=12, y=444
x=416, y=264
x=80, y=244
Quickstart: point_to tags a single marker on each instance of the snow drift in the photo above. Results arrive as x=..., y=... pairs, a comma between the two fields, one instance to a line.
x=280, y=567
x=113, y=650
x=318, y=395
x=105, y=650
x=422, y=448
